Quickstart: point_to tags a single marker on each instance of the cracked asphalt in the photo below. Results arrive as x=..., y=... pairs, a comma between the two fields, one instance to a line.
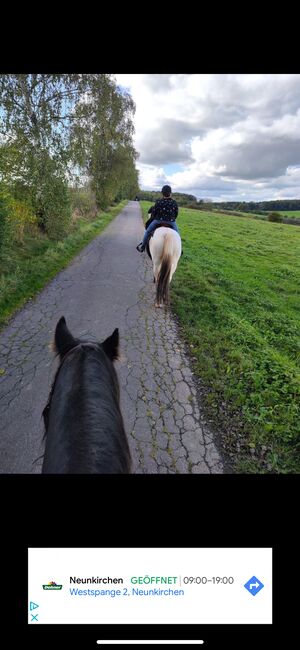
x=109, y=284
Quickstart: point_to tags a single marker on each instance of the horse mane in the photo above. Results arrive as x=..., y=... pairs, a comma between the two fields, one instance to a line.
x=84, y=429
x=45, y=413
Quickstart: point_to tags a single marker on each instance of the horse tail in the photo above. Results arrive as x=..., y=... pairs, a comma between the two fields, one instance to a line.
x=163, y=280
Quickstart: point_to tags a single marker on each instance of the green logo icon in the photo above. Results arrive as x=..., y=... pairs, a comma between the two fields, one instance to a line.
x=52, y=585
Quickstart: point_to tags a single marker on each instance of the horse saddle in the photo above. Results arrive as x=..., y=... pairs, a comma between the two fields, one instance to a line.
x=166, y=224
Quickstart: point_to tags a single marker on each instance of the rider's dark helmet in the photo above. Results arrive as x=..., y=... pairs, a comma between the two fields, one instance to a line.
x=166, y=190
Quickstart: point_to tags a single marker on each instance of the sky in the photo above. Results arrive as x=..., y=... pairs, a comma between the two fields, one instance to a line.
x=223, y=137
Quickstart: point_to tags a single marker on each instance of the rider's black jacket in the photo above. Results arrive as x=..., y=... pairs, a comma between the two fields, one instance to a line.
x=165, y=209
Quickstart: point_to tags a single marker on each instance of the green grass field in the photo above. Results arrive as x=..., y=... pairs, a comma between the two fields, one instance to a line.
x=26, y=268
x=290, y=213
x=236, y=292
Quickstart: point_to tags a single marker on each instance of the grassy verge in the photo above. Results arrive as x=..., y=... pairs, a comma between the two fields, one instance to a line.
x=26, y=268
x=236, y=294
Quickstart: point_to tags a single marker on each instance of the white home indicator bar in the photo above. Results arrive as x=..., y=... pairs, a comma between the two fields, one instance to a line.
x=151, y=642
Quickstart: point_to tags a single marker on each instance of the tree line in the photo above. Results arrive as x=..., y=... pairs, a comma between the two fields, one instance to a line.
x=252, y=206
x=188, y=200
x=59, y=132
x=181, y=198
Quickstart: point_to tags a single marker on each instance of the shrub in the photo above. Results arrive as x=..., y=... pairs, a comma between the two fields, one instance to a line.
x=3, y=217
x=275, y=216
x=20, y=218
x=53, y=207
x=83, y=201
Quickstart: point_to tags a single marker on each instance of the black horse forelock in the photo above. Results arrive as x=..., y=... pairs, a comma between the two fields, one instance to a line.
x=84, y=429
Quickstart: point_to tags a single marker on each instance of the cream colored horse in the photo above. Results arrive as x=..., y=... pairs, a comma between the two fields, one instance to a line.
x=165, y=249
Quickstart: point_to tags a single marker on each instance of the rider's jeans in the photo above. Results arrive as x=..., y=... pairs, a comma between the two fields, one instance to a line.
x=153, y=224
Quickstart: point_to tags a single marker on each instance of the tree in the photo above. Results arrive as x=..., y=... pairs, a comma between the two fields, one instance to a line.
x=36, y=115
x=35, y=121
x=51, y=123
x=102, y=138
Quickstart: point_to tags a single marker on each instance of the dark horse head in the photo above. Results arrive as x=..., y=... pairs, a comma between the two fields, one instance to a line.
x=84, y=427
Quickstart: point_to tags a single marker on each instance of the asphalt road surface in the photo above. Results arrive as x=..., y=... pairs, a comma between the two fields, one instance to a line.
x=108, y=285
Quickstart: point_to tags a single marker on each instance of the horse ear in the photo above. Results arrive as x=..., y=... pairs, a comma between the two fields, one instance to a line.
x=111, y=345
x=63, y=339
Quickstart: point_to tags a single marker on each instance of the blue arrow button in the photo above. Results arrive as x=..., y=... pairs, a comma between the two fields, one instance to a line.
x=254, y=585
x=33, y=605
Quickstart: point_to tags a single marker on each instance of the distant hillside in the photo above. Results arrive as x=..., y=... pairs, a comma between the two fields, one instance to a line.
x=251, y=206
x=188, y=200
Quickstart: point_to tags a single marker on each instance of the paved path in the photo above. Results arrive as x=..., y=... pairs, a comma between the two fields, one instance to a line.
x=108, y=285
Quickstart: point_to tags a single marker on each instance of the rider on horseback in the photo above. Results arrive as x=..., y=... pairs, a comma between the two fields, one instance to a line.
x=164, y=210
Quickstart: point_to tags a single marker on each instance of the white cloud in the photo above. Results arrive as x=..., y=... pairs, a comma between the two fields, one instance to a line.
x=151, y=178
x=235, y=136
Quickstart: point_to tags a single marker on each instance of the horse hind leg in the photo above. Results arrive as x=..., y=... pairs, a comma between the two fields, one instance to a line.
x=171, y=274
x=156, y=273
x=173, y=269
x=157, y=303
x=156, y=269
